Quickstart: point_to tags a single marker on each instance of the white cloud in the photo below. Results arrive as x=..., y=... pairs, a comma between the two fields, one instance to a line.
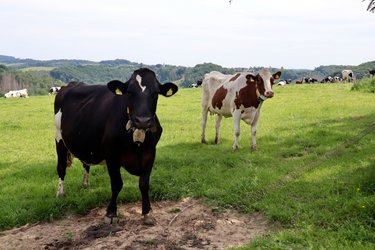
x=293, y=34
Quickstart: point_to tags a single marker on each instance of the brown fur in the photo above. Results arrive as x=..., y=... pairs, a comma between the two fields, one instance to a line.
x=219, y=96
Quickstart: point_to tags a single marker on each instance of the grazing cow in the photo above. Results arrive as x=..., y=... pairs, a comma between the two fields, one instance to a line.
x=337, y=79
x=197, y=84
x=299, y=82
x=281, y=83
x=327, y=79
x=54, y=90
x=306, y=79
x=239, y=96
x=17, y=93
x=372, y=72
x=347, y=75
x=115, y=124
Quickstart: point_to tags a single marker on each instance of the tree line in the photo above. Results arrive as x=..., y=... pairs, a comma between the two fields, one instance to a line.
x=36, y=82
x=38, y=79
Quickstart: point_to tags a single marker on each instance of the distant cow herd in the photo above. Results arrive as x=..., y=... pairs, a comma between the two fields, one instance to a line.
x=116, y=124
x=346, y=76
x=24, y=93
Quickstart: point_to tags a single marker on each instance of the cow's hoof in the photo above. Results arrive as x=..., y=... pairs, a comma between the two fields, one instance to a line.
x=148, y=220
x=203, y=141
x=111, y=219
x=60, y=194
x=235, y=148
x=254, y=147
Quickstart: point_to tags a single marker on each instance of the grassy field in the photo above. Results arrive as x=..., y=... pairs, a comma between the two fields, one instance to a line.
x=313, y=173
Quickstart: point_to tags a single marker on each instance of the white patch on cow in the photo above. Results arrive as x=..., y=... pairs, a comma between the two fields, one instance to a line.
x=58, y=135
x=249, y=114
x=85, y=182
x=60, y=188
x=139, y=80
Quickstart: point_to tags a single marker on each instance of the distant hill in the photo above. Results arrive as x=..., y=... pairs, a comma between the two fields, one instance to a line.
x=38, y=75
x=23, y=63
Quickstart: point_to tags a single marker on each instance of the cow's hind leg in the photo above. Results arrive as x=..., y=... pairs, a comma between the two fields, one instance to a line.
x=218, y=125
x=62, y=162
x=116, y=186
x=85, y=181
x=204, y=122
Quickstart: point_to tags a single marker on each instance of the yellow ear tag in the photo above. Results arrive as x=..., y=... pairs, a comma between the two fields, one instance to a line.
x=118, y=91
x=169, y=93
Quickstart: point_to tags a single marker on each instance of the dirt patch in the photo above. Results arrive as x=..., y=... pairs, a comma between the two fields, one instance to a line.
x=180, y=225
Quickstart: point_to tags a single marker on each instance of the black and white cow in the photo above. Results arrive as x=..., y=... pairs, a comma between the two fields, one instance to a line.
x=115, y=124
x=196, y=84
x=17, y=93
x=372, y=72
x=54, y=90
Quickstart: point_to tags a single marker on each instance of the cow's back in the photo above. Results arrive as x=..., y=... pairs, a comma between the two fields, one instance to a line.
x=211, y=83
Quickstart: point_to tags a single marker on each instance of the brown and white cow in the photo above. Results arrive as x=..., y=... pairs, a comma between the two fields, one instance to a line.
x=239, y=96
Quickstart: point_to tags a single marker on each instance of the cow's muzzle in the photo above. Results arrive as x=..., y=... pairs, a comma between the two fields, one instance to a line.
x=269, y=94
x=139, y=136
x=139, y=128
x=142, y=122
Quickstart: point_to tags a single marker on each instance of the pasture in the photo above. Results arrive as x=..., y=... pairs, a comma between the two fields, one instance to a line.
x=312, y=175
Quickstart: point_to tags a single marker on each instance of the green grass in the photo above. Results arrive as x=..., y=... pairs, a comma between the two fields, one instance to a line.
x=365, y=85
x=313, y=173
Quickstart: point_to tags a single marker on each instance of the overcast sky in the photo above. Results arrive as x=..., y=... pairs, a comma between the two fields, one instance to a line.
x=288, y=33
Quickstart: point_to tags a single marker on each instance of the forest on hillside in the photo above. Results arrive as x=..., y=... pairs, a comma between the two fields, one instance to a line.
x=38, y=76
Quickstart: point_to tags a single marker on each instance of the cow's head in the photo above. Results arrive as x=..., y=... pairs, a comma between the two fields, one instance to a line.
x=142, y=91
x=264, y=81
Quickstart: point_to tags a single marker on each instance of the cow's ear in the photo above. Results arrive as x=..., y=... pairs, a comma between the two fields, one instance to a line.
x=117, y=87
x=168, y=89
x=250, y=78
x=277, y=75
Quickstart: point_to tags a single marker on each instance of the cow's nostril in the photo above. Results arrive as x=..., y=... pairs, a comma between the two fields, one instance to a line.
x=142, y=122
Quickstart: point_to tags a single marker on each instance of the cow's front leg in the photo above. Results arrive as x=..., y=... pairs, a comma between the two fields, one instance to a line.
x=144, y=186
x=254, y=132
x=253, y=137
x=236, y=120
x=116, y=186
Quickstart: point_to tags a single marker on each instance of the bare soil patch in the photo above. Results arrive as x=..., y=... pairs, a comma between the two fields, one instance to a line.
x=187, y=224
